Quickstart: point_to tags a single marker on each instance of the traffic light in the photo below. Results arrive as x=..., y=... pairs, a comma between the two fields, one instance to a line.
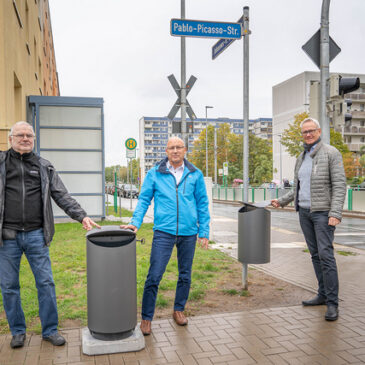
x=341, y=110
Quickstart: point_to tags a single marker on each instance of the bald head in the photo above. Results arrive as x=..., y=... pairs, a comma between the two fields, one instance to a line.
x=175, y=151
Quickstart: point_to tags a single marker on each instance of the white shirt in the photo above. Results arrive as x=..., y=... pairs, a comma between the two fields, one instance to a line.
x=178, y=172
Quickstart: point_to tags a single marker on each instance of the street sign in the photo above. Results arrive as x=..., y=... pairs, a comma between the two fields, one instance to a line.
x=205, y=29
x=131, y=144
x=312, y=48
x=130, y=153
x=223, y=44
x=225, y=168
x=175, y=85
x=220, y=172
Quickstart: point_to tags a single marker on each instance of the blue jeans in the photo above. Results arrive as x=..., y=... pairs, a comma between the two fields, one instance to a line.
x=319, y=237
x=162, y=246
x=37, y=253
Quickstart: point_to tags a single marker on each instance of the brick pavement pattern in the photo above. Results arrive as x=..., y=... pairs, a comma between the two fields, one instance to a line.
x=283, y=335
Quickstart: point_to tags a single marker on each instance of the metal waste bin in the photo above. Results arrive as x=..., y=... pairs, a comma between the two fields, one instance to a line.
x=254, y=224
x=111, y=283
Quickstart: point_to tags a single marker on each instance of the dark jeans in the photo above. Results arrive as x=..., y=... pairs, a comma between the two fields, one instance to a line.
x=319, y=237
x=162, y=246
x=33, y=246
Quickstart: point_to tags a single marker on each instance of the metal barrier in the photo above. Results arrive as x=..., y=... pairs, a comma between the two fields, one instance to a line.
x=354, y=201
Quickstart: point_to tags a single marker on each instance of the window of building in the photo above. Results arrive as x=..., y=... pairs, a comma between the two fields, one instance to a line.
x=362, y=139
x=362, y=107
x=18, y=105
x=362, y=123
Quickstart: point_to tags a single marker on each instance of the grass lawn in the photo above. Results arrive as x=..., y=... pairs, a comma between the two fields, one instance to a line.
x=68, y=255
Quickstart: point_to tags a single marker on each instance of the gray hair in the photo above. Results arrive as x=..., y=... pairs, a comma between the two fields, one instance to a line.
x=22, y=122
x=307, y=120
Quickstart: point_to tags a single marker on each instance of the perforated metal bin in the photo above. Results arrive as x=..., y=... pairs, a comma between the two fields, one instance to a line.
x=111, y=283
x=254, y=224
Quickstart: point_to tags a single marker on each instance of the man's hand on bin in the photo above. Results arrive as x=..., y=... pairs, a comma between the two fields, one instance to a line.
x=129, y=226
x=275, y=203
x=88, y=223
x=204, y=242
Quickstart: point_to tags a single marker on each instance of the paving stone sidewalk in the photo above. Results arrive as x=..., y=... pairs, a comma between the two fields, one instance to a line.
x=284, y=335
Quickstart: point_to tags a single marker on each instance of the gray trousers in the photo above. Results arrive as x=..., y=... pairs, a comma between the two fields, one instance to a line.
x=319, y=237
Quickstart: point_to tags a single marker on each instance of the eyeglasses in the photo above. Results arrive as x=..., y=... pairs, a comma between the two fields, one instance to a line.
x=309, y=131
x=178, y=148
x=22, y=136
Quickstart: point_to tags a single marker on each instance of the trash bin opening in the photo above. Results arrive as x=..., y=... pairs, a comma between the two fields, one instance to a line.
x=111, y=241
x=247, y=208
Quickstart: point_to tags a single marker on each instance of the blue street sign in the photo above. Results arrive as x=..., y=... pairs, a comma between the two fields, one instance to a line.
x=205, y=29
x=222, y=44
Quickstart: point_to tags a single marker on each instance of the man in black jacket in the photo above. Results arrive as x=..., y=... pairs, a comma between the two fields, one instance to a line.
x=27, y=183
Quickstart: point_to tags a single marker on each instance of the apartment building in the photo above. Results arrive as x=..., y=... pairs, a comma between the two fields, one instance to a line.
x=27, y=59
x=292, y=97
x=155, y=131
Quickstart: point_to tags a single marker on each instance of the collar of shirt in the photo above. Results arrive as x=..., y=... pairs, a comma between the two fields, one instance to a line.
x=172, y=168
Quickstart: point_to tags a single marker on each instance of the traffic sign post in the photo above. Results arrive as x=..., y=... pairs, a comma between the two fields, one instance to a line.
x=131, y=145
x=205, y=29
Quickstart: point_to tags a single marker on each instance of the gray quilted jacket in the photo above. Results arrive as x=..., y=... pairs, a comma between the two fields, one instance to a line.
x=328, y=181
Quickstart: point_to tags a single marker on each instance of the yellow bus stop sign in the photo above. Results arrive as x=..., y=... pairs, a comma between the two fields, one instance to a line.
x=131, y=143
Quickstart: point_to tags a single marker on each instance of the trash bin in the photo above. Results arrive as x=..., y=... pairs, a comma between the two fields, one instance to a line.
x=254, y=224
x=111, y=283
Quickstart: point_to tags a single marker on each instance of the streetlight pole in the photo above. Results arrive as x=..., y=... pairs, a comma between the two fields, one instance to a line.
x=206, y=138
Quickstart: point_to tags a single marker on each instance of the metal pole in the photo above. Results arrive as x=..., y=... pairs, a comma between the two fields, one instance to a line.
x=215, y=156
x=324, y=68
x=281, y=162
x=245, y=118
x=184, y=134
x=130, y=184
x=245, y=100
x=206, y=141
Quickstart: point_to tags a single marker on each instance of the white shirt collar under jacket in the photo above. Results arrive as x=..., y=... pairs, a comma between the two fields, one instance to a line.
x=178, y=173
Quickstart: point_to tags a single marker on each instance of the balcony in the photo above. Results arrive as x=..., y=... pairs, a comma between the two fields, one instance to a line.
x=354, y=130
x=358, y=114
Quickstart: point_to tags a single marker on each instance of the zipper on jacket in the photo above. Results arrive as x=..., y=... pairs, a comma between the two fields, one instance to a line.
x=23, y=192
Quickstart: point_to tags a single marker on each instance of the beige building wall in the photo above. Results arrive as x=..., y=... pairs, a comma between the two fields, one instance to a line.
x=22, y=58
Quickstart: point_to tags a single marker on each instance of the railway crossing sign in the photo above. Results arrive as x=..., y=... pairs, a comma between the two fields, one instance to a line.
x=175, y=85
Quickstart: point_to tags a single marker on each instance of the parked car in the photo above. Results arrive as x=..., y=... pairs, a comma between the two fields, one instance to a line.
x=127, y=190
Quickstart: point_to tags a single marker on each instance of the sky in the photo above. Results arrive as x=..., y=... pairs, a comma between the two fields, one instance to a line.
x=123, y=52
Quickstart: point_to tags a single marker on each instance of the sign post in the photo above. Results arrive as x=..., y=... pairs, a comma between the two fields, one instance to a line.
x=131, y=145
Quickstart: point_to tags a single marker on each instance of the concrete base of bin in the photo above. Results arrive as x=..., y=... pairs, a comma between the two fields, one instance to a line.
x=92, y=346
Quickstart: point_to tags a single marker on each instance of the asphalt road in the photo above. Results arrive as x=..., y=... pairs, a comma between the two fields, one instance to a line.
x=351, y=231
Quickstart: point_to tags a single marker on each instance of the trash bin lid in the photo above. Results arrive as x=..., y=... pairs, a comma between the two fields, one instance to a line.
x=110, y=236
x=252, y=206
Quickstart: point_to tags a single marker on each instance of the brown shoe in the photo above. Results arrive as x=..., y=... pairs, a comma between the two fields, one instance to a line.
x=145, y=327
x=179, y=318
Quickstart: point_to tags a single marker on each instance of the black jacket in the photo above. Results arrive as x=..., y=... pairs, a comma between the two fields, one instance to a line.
x=52, y=186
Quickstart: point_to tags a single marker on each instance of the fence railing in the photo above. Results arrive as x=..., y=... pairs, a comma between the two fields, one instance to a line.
x=354, y=201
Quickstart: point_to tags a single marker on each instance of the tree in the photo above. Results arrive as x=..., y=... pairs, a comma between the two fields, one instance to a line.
x=230, y=149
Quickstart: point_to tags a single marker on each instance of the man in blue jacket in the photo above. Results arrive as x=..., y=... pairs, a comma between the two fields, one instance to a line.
x=180, y=214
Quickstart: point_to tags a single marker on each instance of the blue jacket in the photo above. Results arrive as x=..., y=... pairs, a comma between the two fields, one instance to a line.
x=179, y=209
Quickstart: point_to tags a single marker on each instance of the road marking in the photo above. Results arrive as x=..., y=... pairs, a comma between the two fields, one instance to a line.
x=288, y=245
x=350, y=234
x=281, y=230
x=224, y=233
x=216, y=218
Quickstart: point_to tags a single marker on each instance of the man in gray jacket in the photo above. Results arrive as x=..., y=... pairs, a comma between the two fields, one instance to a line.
x=27, y=183
x=319, y=194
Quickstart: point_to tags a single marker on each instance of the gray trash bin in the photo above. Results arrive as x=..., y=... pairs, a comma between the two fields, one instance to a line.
x=254, y=224
x=111, y=283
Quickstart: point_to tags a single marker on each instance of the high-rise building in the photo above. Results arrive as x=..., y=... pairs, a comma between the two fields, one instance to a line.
x=27, y=59
x=292, y=97
x=155, y=131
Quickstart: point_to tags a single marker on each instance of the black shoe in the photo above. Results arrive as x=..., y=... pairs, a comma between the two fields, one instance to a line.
x=56, y=339
x=17, y=341
x=331, y=313
x=317, y=300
